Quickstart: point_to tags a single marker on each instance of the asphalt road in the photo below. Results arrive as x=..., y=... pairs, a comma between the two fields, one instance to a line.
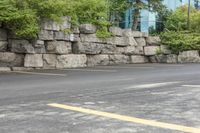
x=149, y=98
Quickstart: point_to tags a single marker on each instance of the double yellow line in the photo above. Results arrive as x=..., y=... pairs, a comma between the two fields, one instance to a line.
x=128, y=118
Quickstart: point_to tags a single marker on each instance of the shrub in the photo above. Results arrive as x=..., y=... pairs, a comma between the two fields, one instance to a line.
x=181, y=41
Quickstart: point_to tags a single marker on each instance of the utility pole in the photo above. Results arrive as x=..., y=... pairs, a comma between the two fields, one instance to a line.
x=188, y=21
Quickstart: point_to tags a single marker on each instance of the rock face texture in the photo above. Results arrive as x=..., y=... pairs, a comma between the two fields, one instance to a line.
x=60, y=46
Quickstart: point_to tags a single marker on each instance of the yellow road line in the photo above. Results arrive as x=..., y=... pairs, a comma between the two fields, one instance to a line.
x=36, y=73
x=128, y=118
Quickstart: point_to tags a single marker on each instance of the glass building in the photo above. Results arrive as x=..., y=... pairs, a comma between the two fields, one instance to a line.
x=148, y=19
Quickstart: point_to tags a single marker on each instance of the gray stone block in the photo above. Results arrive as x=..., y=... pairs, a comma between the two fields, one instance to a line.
x=140, y=41
x=58, y=47
x=3, y=35
x=71, y=61
x=66, y=23
x=3, y=45
x=49, y=61
x=138, y=59
x=139, y=50
x=87, y=48
x=130, y=41
x=130, y=50
x=33, y=60
x=119, y=59
x=137, y=34
x=39, y=46
x=118, y=41
x=153, y=40
x=8, y=59
x=108, y=49
x=127, y=33
x=87, y=29
x=46, y=35
x=92, y=38
x=189, y=57
x=62, y=36
x=151, y=50
x=116, y=31
x=5, y=69
x=21, y=46
x=94, y=60
x=48, y=24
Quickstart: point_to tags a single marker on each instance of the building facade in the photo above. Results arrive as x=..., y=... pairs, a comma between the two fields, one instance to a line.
x=148, y=19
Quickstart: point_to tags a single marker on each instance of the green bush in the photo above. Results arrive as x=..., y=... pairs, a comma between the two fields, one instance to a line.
x=23, y=16
x=181, y=41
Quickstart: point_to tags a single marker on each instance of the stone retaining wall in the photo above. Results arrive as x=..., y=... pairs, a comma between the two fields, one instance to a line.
x=57, y=48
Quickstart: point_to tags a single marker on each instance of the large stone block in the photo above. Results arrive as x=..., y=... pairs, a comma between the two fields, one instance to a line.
x=62, y=36
x=151, y=50
x=127, y=33
x=33, y=60
x=130, y=41
x=163, y=58
x=137, y=34
x=172, y=58
x=189, y=57
x=58, y=47
x=94, y=60
x=153, y=40
x=130, y=50
x=118, y=41
x=3, y=35
x=87, y=48
x=3, y=45
x=65, y=23
x=138, y=59
x=87, y=29
x=140, y=41
x=49, y=61
x=21, y=46
x=91, y=38
x=39, y=46
x=46, y=35
x=71, y=61
x=139, y=50
x=108, y=49
x=116, y=31
x=119, y=59
x=8, y=59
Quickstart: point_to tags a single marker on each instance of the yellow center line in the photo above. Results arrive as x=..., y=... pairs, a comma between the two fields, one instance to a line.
x=128, y=118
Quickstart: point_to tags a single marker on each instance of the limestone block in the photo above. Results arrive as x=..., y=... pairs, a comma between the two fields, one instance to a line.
x=153, y=40
x=139, y=50
x=48, y=24
x=87, y=29
x=130, y=50
x=33, y=60
x=49, y=61
x=11, y=59
x=172, y=58
x=137, y=34
x=108, y=49
x=189, y=56
x=116, y=31
x=39, y=46
x=71, y=61
x=130, y=41
x=3, y=35
x=164, y=58
x=94, y=60
x=138, y=59
x=87, y=48
x=58, y=47
x=91, y=38
x=140, y=41
x=46, y=35
x=118, y=41
x=127, y=33
x=3, y=45
x=118, y=59
x=62, y=36
x=5, y=69
x=21, y=46
x=151, y=50
x=66, y=23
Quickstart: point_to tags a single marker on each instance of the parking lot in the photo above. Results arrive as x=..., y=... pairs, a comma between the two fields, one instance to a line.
x=143, y=98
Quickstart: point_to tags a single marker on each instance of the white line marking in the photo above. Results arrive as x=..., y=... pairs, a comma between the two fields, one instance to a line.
x=90, y=70
x=36, y=73
x=194, y=86
x=146, y=86
x=128, y=67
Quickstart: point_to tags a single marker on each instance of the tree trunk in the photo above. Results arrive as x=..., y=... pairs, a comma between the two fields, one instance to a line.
x=136, y=14
x=136, y=19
